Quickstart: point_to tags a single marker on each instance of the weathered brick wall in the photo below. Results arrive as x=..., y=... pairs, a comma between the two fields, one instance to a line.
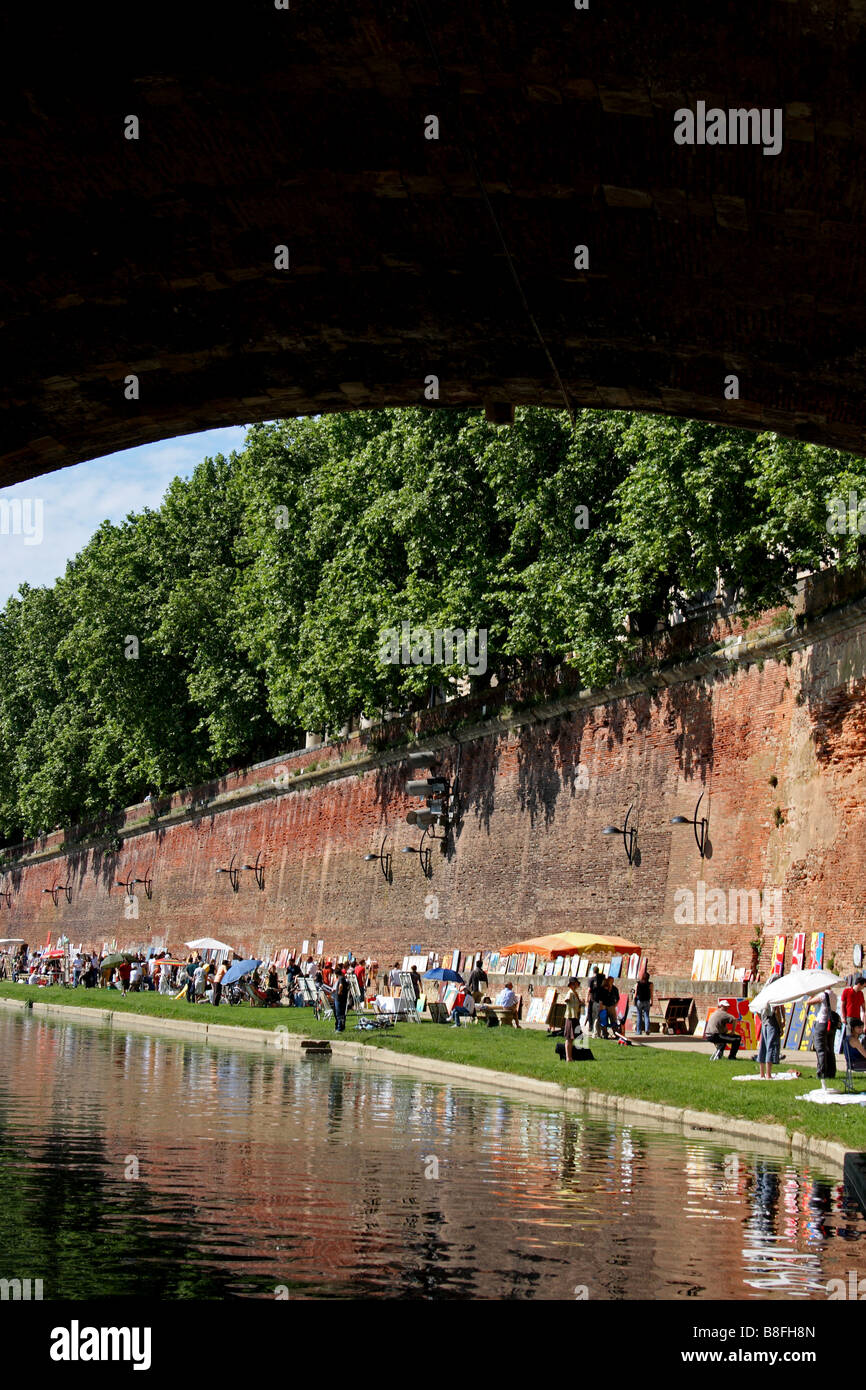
x=529, y=854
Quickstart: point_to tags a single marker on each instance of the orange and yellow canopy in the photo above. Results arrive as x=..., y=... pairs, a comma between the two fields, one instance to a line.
x=570, y=943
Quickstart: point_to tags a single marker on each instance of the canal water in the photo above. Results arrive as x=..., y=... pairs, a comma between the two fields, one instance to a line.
x=136, y=1165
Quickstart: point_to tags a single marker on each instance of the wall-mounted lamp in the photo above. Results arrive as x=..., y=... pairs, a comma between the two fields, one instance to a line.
x=6, y=895
x=424, y=853
x=57, y=888
x=127, y=884
x=700, y=826
x=258, y=869
x=629, y=836
x=147, y=883
x=233, y=873
x=383, y=859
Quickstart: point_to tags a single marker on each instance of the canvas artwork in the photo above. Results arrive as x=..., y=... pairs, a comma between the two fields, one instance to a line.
x=549, y=1001
x=726, y=964
x=633, y=965
x=778, y=956
x=615, y=969
x=549, y=966
x=714, y=965
x=806, y=1040
x=798, y=950
x=816, y=954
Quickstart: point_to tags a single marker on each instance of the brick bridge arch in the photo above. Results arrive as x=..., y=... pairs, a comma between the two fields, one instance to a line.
x=411, y=257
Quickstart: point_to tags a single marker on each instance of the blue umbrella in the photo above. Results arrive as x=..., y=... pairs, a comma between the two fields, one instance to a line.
x=440, y=973
x=239, y=969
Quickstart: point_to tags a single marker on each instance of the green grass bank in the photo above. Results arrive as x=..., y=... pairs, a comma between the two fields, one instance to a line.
x=687, y=1080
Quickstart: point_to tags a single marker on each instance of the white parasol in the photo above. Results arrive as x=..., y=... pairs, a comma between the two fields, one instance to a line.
x=11, y=941
x=208, y=943
x=798, y=985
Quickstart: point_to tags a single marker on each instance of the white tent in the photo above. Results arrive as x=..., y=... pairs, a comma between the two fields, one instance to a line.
x=208, y=943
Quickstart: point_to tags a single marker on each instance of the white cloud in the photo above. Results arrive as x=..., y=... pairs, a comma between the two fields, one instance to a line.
x=75, y=501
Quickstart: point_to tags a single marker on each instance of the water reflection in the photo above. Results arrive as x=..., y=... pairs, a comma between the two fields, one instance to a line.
x=256, y=1172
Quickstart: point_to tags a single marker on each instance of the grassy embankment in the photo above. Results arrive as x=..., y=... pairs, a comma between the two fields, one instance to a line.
x=669, y=1077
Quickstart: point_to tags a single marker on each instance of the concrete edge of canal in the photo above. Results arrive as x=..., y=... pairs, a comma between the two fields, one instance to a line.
x=693, y=1123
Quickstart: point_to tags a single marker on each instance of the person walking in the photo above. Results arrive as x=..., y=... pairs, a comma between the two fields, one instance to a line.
x=573, y=1007
x=824, y=1035
x=643, y=998
x=394, y=980
x=771, y=1035
x=222, y=968
x=340, y=999
x=477, y=979
x=594, y=1003
x=852, y=1004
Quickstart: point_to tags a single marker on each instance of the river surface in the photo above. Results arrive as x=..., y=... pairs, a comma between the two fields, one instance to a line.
x=136, y=1165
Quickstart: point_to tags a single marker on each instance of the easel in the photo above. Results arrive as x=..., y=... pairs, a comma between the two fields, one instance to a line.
x=407, y=996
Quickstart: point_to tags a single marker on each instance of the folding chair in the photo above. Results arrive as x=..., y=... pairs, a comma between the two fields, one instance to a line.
x=324, y=1008
x=853, y=1063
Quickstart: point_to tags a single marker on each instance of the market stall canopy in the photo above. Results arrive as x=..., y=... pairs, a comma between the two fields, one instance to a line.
x=208, y=943
x=799, y=984
x=570, y=943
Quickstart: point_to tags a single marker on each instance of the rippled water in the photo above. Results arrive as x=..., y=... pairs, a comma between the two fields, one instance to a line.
x=258, y=1173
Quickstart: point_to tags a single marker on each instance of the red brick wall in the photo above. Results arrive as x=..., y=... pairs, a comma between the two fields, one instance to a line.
x=530, y=856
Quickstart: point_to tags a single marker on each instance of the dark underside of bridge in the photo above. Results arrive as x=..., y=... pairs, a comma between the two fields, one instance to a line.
x=411, y=257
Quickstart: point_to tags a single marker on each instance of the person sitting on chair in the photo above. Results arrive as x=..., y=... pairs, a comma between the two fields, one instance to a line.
x=853, y=1048
x=464, y=1010
x=717, y=1024
x=508, y=1000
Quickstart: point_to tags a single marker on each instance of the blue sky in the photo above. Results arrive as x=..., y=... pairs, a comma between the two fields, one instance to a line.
x=75, y=501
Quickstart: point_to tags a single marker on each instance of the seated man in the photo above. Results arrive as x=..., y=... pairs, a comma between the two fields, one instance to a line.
x=508, y=1000
x=464, y=1010
x=719, y=1026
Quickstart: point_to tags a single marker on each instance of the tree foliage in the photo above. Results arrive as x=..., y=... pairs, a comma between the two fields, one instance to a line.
x=259, y=590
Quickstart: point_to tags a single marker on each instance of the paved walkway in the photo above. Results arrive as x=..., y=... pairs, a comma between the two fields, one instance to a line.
x=793, y=1060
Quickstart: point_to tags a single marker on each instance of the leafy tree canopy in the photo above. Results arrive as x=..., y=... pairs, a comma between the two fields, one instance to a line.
x=258, y=593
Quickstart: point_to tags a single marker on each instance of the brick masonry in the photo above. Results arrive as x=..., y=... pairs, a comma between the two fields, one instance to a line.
x=529, y=853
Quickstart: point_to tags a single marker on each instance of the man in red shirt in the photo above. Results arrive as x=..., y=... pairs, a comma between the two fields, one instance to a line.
x=852, y=1003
